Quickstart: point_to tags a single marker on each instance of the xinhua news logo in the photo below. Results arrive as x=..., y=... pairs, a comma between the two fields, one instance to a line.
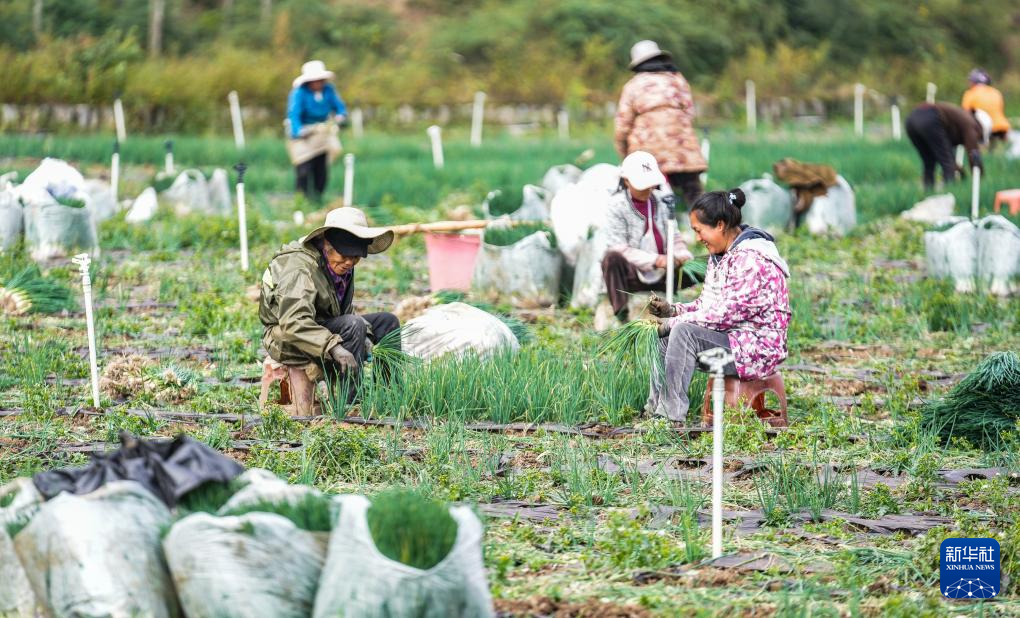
x=969, y=568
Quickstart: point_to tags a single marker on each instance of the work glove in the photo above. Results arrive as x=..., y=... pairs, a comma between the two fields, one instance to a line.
x=341, y=356
x=665, y=325
x=660, y=308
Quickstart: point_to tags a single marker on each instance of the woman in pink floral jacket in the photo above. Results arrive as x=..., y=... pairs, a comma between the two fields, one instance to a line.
x=744, y=306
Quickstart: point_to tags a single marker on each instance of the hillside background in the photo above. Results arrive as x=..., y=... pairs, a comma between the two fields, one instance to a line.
x=174, y=73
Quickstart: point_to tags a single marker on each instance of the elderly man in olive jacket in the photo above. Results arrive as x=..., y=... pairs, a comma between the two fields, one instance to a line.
x=306, y=303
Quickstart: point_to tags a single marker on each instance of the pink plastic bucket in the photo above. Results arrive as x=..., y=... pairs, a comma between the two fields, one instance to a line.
x=451, y=260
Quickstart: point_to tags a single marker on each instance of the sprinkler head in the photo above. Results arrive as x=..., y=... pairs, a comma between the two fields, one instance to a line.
x=240, y=169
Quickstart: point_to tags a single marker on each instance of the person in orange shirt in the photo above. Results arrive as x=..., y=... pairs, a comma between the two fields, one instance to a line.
x=981, y=95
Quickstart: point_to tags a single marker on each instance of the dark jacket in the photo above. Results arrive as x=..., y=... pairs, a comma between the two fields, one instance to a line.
x=962, y=129
x=297, y=296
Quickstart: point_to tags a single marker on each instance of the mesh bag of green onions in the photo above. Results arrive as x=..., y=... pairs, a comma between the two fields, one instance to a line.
x=403, y=555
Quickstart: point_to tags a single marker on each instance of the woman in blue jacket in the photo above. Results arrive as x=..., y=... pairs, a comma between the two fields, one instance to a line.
x=313, y=141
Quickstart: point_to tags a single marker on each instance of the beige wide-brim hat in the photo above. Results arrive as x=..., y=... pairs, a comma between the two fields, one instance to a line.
x=353, y=220
x=645, y=50
x=313, y=71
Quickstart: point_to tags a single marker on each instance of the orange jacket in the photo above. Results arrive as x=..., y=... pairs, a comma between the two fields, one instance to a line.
x=988, y=99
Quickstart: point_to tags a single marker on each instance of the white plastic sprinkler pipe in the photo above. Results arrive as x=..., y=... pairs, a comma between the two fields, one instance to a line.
x=563, y=123
x=348, y=179
x=752, y=106
x=436, y=136
x=118, y=120
x=960, y=152
x=717, y=359
x=242, y=221
x=670, y=203
x=706, y=151
x=115, y=171
x=894, y=112
x=859, y=110
x=357, y=123
x=235, y=117
x=82, y=260
x=477, y=119
x=975, y=193
x=930, y=96
x=168, y=163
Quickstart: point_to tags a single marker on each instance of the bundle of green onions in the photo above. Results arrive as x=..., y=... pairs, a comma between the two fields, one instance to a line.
x=501, y=236
x=29, y=291
x=696, y=268
x=312, y=512
x=504, y=201
x=982, y=406
x=637, y=340
x=410, y=528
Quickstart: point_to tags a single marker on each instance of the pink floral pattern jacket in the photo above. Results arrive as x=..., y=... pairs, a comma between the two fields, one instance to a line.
x=746, y=296
x=656, y=114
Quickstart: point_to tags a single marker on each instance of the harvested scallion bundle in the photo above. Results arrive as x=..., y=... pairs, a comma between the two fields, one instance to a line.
x=29, y=291
x=637, y=339
x=696, y=268
x=208, y=497
x=504, y=201
x=312, y=512
x=504, y=236
x=982, y=406
x=410, y=528
x=70, y=202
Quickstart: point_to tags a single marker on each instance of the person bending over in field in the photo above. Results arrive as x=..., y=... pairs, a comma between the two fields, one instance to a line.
x=306, y=304
x=637, y=228
x=935, y=130
x=744, y=307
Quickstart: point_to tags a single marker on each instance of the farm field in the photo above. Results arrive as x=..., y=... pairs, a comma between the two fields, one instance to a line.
x=590, y=508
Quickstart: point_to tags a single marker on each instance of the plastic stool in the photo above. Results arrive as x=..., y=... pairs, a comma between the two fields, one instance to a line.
x=291, y=379
x=750, y=391
x=1009, y=196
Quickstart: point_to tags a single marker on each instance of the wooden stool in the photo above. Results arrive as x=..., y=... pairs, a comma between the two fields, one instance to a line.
x=1009, y=196
x=751, y=392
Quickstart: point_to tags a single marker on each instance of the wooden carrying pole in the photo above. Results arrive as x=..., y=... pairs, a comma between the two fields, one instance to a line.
x=448, y=226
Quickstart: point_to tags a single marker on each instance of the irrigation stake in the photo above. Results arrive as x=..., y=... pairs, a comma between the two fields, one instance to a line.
x=959, y=156
x=752, y=106
x=242, y=223
x=115, y=170
x=563, y=123
x=894, y=111
x=118, y=119
x=357, y=123
x=477, y=119
x=670, y=203
x=859, y=109
x=975, y=192
x=235, y=117
x=82, y=260
x=435, y=135
x=706, y=150
x=716, y=359
x=932, y=89
x=348, y=179
x=168, y=163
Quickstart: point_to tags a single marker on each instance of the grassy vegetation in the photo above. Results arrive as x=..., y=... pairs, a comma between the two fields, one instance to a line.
x=870, y=335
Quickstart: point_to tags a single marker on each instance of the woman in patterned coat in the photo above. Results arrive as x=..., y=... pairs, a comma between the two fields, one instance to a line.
x=744, y=306
x=656, y=114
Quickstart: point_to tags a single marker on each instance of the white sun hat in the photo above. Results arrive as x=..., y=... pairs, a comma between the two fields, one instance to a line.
x=645, y=50
x=353, y=220
x=313, y=71
x=641, y=170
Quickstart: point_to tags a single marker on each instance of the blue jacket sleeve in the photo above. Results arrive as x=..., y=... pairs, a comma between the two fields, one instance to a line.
x=294, y=111
x=335, y=102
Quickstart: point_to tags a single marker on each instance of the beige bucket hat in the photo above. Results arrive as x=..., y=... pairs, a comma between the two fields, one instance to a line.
x=645, y=50
x=353, y=220
x=313, y=71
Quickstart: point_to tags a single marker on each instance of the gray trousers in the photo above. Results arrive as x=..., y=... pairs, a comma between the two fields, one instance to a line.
x=668, y=397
